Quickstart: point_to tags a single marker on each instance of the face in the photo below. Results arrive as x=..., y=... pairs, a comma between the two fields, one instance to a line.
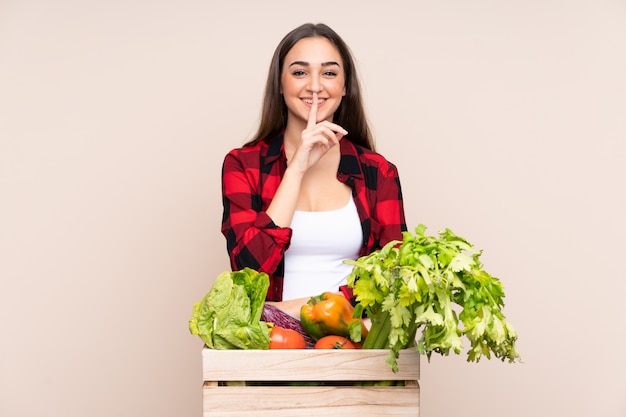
x=313, y=65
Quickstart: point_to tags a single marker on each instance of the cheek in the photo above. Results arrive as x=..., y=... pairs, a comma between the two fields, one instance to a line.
x=337, y=89
x=285, y=85
x=289, y=89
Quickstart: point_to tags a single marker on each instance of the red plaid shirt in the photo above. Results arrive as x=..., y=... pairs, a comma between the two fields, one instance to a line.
x=250, y=177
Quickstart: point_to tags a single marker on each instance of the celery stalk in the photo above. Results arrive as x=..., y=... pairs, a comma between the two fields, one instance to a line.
x=378, y=335
x=412, y=284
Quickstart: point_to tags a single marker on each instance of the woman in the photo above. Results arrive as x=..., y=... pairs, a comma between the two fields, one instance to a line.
x=309, y=191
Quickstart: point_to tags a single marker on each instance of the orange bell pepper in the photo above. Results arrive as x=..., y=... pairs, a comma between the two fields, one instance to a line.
x=329, y=314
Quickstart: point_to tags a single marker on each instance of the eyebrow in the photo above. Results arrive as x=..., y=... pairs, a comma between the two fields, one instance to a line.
x=306, y=64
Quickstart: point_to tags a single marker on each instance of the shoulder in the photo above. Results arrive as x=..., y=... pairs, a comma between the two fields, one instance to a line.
x=266, y=150
x=370, y=159
x=246, y=156
x=248, y=150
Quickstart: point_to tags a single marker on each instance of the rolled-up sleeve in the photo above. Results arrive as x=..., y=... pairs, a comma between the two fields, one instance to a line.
x=252, y=238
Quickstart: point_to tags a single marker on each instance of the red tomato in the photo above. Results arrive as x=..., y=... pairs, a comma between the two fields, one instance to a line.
x=281, y=338
x=334, y=342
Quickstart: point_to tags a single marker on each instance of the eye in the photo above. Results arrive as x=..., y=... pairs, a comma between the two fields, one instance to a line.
x=330, y=73
x=299, y=73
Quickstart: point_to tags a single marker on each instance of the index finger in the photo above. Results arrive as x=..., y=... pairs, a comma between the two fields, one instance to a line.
x=313, y=112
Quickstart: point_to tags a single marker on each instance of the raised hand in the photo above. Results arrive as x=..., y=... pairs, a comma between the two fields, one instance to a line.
x=317, y=139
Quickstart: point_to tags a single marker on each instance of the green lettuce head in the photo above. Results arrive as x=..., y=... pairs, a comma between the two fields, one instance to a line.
x=229, y=315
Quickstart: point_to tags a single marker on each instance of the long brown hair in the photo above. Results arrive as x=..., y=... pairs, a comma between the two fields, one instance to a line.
x=350, y=115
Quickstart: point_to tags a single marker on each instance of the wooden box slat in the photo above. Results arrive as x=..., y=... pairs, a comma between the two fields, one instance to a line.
x=311, y=401
x=307, y=365
x=338, y=370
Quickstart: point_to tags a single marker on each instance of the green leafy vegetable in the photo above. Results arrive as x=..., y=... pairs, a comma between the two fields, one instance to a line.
x=229, y=316
x=420, y=283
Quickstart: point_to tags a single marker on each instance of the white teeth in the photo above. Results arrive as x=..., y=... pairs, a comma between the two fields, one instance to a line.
x=310, y=101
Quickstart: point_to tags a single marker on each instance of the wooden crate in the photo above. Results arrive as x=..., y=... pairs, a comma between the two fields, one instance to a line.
x=267, y=372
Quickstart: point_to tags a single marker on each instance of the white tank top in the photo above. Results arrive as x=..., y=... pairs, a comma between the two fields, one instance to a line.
x=320, y=242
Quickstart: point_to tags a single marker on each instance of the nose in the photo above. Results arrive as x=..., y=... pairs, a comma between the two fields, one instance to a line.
x=315, y=86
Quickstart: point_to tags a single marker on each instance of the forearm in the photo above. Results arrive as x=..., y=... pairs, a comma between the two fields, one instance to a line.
x=285, y=199
x=264, y=235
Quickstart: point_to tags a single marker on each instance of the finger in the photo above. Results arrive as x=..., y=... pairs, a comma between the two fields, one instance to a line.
x=335, y=127
x=331, y=136
x=313, y=112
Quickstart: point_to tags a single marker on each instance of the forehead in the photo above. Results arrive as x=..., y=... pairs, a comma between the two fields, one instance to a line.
x=314, y=51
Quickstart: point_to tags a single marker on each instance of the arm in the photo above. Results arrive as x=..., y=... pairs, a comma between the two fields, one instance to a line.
x=253, y=239
x=256, y=221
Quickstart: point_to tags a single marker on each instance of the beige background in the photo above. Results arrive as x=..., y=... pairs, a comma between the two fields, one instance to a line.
x=506, y=120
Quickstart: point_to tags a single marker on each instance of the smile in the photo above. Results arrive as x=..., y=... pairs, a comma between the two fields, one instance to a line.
x=310, y=100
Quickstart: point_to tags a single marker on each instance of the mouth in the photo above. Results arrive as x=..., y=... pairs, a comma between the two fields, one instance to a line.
x=309, y=101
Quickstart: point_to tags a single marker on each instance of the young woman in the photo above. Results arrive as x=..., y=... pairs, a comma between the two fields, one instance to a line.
x=309, y=191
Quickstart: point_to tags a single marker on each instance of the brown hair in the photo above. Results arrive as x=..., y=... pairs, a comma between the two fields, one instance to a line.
x=350, y=115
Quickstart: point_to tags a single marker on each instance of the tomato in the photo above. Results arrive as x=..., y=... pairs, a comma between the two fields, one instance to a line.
x=334, y=342
x=281, y=338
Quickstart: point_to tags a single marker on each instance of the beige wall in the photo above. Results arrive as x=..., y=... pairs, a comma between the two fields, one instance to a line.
x=506, y=120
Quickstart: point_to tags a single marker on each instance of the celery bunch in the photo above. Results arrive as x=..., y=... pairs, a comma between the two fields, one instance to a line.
x=420, y=283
